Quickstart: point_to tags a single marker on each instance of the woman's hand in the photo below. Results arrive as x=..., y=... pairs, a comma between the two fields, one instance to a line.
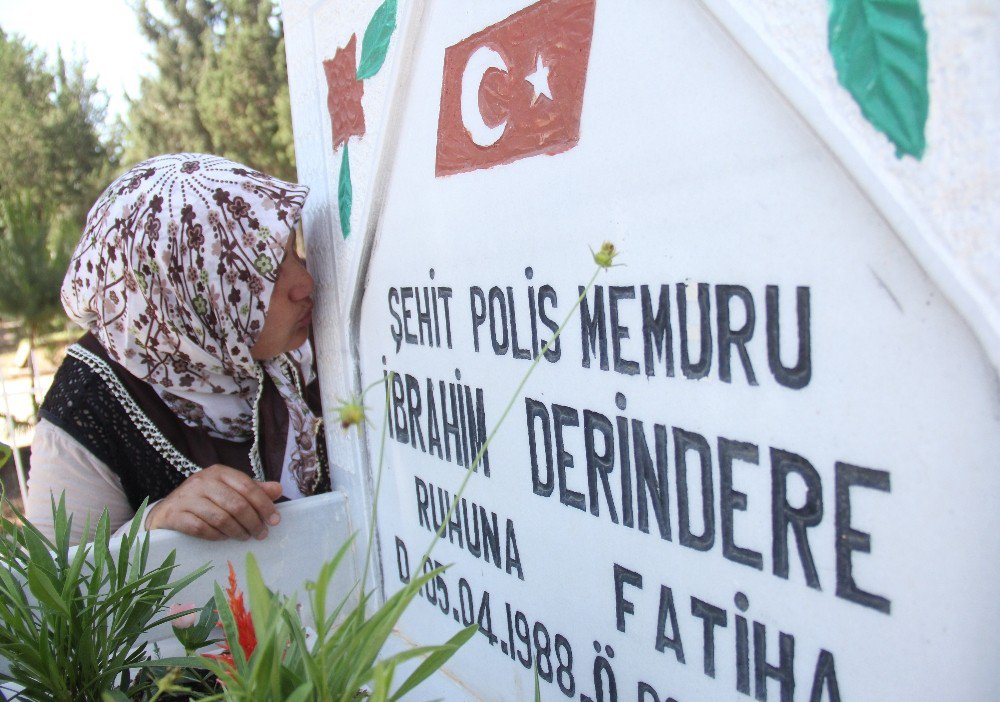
x=216, y=503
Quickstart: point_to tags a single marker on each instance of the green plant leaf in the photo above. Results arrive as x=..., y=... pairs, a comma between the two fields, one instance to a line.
x=232, y=633
x=321, y=587
x=5, y=453
x=201, y=633
x=300, y=648
x=375, y=44
x=438, y=657
x=40, y=556
x=263, y=609
x=381, y=680
x=301, y=693
x=72, y=578
x=345, y=194
x=173, y=662
x=42, y=588
x=374, y=632
x=879, y=48
x=82, y=632
x=101, y=554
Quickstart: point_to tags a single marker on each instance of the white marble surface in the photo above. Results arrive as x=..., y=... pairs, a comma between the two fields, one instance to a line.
x=716, y=147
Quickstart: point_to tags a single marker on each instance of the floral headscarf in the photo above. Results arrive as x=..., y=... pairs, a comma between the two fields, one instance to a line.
x=174, y=274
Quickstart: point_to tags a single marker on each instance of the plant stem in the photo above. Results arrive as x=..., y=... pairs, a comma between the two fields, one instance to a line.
x=378, y=476
x=496, y=427
x=365, y=391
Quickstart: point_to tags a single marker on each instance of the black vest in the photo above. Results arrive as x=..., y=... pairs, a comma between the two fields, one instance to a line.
x=129, y=428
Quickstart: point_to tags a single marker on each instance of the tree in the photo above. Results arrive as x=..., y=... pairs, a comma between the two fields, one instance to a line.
x=81, y=161
x=165, y=117
x=54, y=162
x=243, y=92
x=36, y=244
x=25, y=86
x=51, y=146
x=221, y=87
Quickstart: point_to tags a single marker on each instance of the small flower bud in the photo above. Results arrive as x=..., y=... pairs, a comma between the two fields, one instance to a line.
x=605, y=256
x=188, y=620
x=351, y=413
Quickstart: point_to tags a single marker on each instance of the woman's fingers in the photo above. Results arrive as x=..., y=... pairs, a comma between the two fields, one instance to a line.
x=256, y=496
x=193, y=525
x=228, y=512
x=218, y=502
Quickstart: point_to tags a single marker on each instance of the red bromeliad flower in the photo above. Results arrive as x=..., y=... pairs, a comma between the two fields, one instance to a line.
x=244, y=623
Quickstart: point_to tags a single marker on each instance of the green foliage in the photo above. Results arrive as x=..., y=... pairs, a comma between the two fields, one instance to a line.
x=25, y=85
x=35, y=247
x=53, y=164
x=879, y=48
x=221, y=85
x=158, y=682
x=51, y=148
x=80, y=161
x=165, y=117
x=72, y=621
x=243, y=93
x=341, y=659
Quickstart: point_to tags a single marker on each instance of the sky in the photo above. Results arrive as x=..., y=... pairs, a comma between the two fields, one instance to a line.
x=104, y=33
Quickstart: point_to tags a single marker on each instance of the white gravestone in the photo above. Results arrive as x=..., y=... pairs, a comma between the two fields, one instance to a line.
x=761, y=461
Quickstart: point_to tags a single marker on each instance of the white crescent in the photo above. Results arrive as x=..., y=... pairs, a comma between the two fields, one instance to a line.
x=481, y=60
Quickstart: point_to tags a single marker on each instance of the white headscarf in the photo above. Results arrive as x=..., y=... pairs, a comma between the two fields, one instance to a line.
x=174, y=274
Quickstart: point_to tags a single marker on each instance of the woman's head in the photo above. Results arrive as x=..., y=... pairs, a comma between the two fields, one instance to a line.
x=289, y=312
x=186, y=273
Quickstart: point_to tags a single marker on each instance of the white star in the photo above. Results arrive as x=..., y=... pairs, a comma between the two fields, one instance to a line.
x=540, y=81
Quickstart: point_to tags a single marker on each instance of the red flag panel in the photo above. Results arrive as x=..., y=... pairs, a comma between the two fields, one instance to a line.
x=515, y=89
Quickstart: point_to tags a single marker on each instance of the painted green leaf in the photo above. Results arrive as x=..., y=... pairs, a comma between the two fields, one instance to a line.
x=345, y=194
x=375, y=44
x=879, y=48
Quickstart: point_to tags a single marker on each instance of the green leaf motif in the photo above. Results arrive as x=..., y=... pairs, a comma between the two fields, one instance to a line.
x=879, y=48
x=375, y=44
x=345, y=194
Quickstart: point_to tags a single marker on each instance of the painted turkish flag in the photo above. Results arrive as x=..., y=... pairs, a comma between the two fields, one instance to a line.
x=515, y=89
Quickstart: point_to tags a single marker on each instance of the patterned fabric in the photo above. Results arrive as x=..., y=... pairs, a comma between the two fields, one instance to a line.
x=173, y=275
x=80, y=404
x=88, y=405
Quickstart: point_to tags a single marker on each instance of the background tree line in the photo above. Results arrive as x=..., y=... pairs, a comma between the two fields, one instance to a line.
x=220, y=86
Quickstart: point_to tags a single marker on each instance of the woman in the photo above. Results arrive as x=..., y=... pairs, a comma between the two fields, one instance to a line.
x=190, y=386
